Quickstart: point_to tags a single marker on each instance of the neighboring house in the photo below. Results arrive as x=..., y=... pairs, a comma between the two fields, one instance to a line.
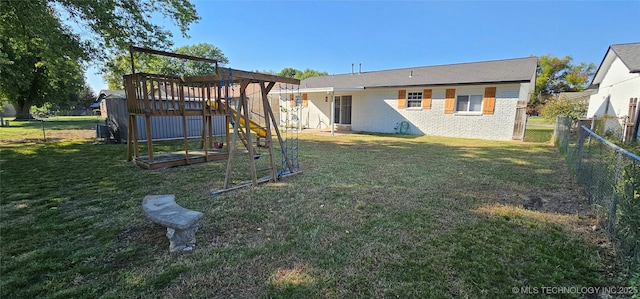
x=577, y=95
x=483, y=100
x=7, y=110
x=617, y=84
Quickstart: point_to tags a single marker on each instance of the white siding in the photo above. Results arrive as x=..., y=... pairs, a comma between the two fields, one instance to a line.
x=375, y=110
x=525, y=90
x=618, y=85
x=319, y=116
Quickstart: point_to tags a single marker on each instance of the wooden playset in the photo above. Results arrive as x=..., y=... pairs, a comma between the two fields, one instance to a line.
x=221, y=116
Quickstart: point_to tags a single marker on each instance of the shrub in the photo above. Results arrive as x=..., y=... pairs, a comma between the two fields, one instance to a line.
x=562, y=106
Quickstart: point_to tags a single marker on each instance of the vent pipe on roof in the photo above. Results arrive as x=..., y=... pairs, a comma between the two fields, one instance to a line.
x=352, y=69
x=410, y=73
x=360, y=68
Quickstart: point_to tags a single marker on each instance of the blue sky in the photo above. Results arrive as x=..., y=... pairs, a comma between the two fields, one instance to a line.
x=331, y=35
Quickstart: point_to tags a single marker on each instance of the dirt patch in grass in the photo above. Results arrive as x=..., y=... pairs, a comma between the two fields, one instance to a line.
x=568, y=207
x=152, y=235
x=563, y=202
x=568, y=198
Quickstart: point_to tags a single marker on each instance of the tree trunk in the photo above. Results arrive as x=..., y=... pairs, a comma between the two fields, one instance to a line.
x=22, y=110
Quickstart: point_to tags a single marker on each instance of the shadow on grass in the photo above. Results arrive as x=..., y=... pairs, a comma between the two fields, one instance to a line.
x=71, y=218
x=372, y=216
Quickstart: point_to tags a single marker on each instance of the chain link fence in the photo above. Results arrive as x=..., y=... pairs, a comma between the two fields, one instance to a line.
x=538, y=130
x=611, y=178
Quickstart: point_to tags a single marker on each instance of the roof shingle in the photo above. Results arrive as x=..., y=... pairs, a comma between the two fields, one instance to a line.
x=498, y=71
x=629, y=54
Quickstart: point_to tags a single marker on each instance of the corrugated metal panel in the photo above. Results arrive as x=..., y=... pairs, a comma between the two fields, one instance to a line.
x=170, y=127
x=162, y=127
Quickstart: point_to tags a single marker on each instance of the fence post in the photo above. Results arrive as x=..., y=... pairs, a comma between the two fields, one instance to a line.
x=579, y=148
x=611, y=222
x=524, y=130
x=555, y=131
x=567, y=127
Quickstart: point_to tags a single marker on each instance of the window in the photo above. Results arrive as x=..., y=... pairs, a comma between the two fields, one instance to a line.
x=469, y=103
x=414, y=99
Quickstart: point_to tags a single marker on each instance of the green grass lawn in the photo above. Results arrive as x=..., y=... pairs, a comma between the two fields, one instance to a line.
x=372, y=216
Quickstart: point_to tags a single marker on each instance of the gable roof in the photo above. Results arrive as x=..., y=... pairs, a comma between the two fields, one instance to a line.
x=497, y=71
x=629, y=54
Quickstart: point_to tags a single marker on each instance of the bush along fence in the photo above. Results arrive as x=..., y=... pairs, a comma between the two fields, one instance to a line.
x=611, y=178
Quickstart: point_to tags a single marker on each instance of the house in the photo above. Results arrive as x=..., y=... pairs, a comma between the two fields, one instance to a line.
x=7, y=110
x=577, y=95
x=617, y=85
x=482, y=100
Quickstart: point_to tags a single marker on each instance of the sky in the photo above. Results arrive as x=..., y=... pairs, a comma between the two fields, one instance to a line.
x=332, y=35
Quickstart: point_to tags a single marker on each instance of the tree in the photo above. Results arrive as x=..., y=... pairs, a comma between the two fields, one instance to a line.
x=268, y=72
x=175, y=66
x=42, y=57
x=555, y=75
x=563, y=106
x=311, y=73
x=289, y=72
x=155, y=64
x=80, y=100
x=294, y=73
x=86, y=97
x=120, y=65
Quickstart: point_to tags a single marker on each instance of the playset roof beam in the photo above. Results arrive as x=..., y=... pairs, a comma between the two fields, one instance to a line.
x=239, y=75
